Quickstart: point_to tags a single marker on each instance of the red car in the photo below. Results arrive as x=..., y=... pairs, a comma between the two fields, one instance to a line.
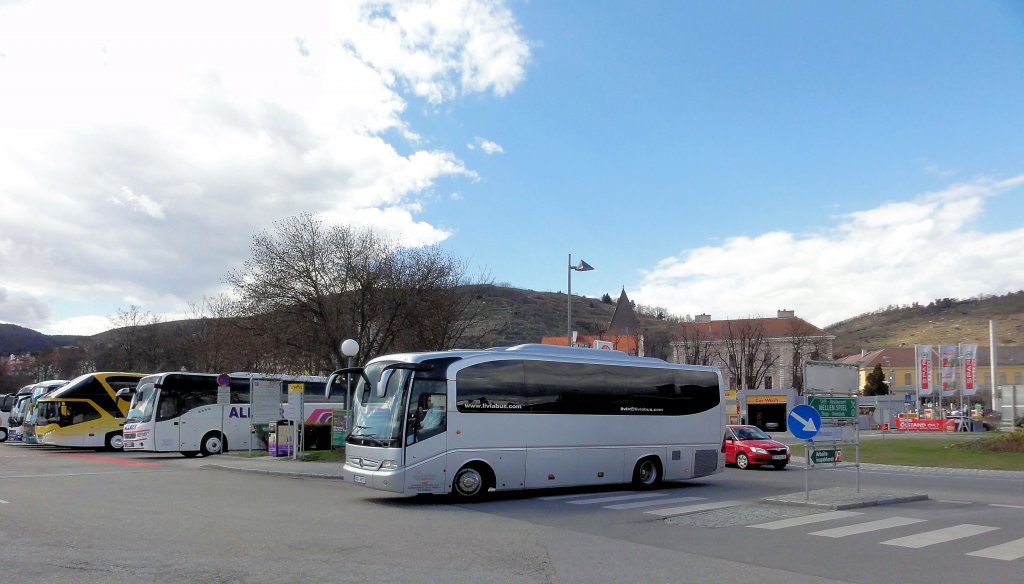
x=750, y=446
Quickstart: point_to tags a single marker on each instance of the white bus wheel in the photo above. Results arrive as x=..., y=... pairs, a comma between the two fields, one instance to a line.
x=115, y=441
x=212, y=443
x=471, y=482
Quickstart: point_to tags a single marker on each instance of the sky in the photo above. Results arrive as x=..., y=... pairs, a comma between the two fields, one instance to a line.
x=727, y=158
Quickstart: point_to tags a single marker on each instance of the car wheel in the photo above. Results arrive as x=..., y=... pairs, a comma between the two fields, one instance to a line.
x=779, y=465
x=470, y=483
x=742, y=462
x=647, y=473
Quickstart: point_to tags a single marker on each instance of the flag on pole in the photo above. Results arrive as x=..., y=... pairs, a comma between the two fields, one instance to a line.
x=949, y=359
x=924, y=369
x=968, y=358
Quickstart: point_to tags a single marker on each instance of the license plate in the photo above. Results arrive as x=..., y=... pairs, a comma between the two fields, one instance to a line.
x=778, y=457
x=359, y=479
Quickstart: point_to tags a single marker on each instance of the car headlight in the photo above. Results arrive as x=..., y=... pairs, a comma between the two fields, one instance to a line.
x=759, y=450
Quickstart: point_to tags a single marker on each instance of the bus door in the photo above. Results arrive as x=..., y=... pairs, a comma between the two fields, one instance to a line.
x=166, y=429
x=426, y=437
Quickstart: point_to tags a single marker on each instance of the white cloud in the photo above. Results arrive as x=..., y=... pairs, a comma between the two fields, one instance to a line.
x=491, y=147
x=145, y=143
x=897, y=253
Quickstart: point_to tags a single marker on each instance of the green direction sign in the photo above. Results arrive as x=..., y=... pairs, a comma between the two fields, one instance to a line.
x=824, y=456
x=834, y=407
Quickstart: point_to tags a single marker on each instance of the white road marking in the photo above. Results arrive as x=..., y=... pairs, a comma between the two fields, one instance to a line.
x=2, y=502
x=615, y=498
x=804, y=520
x=1010, y=550
x=954, y=502
x=692, y=508
x=928, y=538
x=868, y=527
x=639, y=504
x=1006, y=506
x=576, y=495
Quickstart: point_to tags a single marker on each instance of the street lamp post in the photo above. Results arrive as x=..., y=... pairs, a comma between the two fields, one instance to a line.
x=349, y=348
x=580, y=267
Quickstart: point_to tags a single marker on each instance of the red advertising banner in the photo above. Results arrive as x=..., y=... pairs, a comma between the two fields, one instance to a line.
x=917, y=425
x=924, y=369
x=968, y=354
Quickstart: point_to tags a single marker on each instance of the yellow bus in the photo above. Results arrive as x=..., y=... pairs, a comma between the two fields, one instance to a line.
x=86, y=413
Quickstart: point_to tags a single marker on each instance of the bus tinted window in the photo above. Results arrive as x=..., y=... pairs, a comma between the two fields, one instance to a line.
x=92, y=388
x=77, y=413
x=582, y=388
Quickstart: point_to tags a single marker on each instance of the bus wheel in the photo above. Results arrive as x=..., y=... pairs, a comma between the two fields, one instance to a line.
x=115, y=441
x=212, y=444
x=3, y=434
x=471, y=482
x=647, y=473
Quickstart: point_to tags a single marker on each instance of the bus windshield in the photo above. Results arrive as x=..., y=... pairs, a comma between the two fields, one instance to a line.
x=143, y=403
x=378, y=420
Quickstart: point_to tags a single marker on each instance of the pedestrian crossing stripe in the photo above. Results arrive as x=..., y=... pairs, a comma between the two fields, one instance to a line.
x=639, y=504
x=944, y=535
x=614, y=498
x=1009, y=551
x=867, y=527
x=806, y=519
x=692, y=508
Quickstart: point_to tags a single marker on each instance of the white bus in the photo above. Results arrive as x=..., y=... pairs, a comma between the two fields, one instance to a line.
x=178, y=412
x=530, y=416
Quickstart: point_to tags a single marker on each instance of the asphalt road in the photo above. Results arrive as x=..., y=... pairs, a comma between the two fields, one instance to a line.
x=69, y=516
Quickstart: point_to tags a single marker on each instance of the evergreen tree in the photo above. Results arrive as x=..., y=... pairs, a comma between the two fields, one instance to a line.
x=875, y=382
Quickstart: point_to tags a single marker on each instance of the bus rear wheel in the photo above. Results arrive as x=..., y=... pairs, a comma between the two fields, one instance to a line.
x=471, y=482
x=3, y=434
x=115, y=441
x=213, y=443
x=647, y=473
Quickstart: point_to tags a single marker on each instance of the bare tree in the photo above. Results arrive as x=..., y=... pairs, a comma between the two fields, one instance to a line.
x=308, y=286
x=136, y=345
x=746, y=353
x=695, y=341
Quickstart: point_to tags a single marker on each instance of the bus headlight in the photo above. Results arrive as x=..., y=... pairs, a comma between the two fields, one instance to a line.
x=389, y=465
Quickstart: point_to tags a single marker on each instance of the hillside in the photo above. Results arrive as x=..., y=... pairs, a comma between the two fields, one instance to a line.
x=16, y=339
x=511, y=316
x=946, y=320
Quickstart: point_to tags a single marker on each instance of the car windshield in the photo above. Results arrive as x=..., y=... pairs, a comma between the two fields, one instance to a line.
x=750, y=433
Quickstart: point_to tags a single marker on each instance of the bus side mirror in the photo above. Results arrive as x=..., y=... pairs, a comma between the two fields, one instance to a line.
x=382, y=385
x=125, y=393
x=329, y=386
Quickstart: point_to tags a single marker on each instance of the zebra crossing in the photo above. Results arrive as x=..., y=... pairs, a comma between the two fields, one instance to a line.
x=666, y=505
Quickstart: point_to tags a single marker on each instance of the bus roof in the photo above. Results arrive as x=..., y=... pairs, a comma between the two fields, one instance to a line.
x=542, y=352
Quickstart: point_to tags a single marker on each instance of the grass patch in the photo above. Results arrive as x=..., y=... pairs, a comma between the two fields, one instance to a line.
x=333, y=455
x=1004, y=451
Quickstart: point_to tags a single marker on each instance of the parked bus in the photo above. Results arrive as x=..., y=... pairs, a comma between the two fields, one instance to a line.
x=7, y=402
x=17, y=415
x=39, y=391
x=85, y=413
x=178, y=412
x=530, y=416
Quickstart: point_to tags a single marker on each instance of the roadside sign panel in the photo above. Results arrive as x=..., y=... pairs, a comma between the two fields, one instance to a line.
x=834, y=407
x=804, y=422
x=825, y=456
